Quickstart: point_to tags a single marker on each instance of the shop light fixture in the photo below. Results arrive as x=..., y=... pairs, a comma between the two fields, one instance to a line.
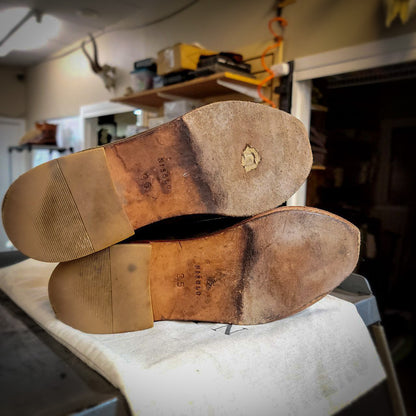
x=25, y=29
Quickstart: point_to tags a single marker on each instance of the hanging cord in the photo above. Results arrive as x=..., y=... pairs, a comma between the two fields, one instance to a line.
x=278, y=39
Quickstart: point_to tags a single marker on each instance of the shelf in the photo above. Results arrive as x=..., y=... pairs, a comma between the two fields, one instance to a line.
x=30, y=147
x=224, y=83
x=319, y=107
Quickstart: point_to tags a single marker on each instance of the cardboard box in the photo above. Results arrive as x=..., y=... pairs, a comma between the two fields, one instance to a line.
x=179, y=57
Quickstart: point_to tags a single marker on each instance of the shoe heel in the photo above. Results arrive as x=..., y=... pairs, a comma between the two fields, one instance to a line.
x=94, y=294
x=66, y=208
x=228, y=158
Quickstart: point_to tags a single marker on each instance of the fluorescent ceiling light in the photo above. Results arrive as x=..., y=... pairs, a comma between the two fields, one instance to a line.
x=31, y=32
x=9, y=18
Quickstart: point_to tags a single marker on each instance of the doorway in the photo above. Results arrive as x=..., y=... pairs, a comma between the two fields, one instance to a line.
x=363, y=134
x=390, y=185
x=363, y=131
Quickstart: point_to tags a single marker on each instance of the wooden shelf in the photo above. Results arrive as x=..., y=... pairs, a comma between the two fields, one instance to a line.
x=199, y=88
x=319, y=107
x=318, y=167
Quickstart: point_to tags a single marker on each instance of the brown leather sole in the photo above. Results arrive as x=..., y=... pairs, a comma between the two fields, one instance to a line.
x=230, y=158
x=260, y=270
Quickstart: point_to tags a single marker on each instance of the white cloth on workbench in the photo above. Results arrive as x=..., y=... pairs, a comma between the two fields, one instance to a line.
x=313, y=363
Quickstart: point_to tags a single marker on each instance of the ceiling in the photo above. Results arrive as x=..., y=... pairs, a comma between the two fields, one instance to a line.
x=80, y=17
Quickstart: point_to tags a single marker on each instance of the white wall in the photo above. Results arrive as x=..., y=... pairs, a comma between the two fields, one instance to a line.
x=59, y=87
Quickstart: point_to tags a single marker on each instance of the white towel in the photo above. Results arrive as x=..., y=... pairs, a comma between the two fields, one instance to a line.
x=313, y=363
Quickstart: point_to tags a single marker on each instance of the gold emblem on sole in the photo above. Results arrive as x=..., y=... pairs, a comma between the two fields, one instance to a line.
x=250, y=158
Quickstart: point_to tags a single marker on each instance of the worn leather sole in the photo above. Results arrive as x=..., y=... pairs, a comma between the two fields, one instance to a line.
x=263, y=269
x=231, y=158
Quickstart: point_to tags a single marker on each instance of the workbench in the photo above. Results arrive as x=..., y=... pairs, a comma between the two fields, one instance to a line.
x=41, y=376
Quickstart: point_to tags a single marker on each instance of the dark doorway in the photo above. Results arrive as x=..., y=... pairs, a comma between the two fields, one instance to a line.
x=363, y=133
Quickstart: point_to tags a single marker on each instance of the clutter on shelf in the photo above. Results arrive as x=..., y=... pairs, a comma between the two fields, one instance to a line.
x=180, y=57
x=173, y=109
x=143, y=74
x=182, y=62
x=42, y=133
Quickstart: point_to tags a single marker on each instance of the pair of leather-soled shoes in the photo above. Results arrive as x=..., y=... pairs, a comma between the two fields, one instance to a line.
x=233, y=158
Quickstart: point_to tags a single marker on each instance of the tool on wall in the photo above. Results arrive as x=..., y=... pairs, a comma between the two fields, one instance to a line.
x=105, y=72
x=278, y=41
x=402, y=9
x=281, y=4
x=284, y=89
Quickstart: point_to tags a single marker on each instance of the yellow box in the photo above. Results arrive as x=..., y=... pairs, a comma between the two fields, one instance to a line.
x=178, y=57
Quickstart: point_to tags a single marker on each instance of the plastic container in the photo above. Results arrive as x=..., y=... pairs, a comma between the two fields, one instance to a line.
x=177, y=108
x=142, y=79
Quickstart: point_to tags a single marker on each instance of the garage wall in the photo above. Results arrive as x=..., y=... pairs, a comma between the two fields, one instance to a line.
x=323, y=25
x=57, y=88
x=12, y=93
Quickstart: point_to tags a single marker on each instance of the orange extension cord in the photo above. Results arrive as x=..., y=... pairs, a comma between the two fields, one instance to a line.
x=278, y=39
